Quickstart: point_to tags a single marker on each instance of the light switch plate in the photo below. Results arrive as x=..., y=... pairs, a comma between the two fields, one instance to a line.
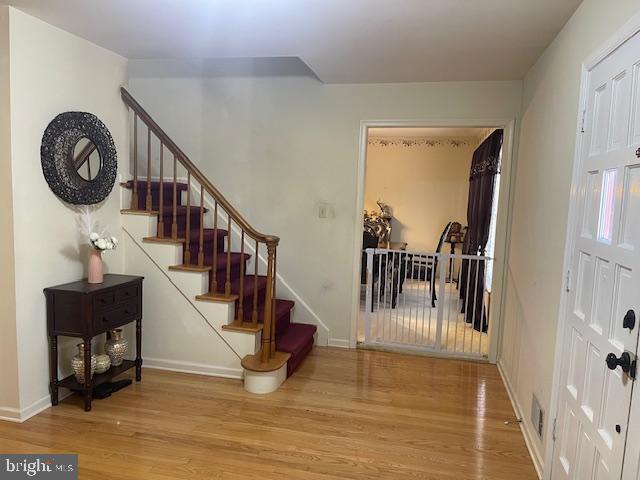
x=323, y=210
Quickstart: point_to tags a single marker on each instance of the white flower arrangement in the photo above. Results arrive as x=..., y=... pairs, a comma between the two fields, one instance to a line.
x=89, y=227
x=102, y=243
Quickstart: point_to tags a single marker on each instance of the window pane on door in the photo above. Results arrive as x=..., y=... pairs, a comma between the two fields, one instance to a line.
x=607, y=205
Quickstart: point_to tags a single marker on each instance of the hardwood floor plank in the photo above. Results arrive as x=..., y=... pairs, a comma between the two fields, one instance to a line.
x=345, y=414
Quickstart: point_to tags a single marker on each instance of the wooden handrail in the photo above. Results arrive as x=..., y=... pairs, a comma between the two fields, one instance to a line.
x=194, y=171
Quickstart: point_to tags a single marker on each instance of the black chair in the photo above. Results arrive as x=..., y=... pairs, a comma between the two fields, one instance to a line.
x=369, y=240
x=427, y=272
x=390, y=267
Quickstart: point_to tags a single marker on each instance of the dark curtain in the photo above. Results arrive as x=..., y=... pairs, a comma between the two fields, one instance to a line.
x=484, y=167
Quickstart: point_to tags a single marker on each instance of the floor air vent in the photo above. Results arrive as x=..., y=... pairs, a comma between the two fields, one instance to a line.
x=537, y=416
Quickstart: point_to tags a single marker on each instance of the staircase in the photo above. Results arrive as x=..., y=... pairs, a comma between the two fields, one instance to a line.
x=216, y=240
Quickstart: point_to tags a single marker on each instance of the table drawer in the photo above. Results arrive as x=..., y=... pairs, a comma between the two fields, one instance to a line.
x=127, y=294
x=116, y=317
x=104, y=301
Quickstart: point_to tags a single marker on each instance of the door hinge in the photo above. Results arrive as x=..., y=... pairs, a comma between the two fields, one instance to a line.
x=553, y=429
x=568, y=281
x=584, y=114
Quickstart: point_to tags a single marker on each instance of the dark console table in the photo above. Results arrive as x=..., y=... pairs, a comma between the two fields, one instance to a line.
x=84, y=310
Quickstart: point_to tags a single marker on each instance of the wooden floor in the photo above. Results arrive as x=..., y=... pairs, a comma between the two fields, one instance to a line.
x=344, y=414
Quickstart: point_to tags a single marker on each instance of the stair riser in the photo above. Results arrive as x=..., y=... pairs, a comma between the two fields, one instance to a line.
x=221, y=274
x=207, y=249
x=282, y=322
x=221, y=263
x=167, y=199
x=248, y=289
x=181, y=222
x=282, y=319
x=295, y=360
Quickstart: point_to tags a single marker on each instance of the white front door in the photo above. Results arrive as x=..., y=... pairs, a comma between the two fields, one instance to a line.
x=593, y=413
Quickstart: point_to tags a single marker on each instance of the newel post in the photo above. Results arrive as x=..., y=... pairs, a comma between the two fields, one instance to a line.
x=268, y=329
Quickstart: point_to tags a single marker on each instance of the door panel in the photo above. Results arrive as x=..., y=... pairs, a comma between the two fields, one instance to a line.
x=594, y=403
x=630, y=225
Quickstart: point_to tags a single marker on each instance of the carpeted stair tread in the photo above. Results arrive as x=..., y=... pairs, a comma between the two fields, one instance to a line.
x=194, y=235
x=155, y=185
x=181, y=211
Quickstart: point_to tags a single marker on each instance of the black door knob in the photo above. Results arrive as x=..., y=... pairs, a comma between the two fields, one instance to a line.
x=629, y=320
x=624, y=362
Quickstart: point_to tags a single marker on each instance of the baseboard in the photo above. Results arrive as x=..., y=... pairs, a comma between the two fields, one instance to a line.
x=338, y=342
x=524, y=426
x=190, y=367
x=36, y=407
x=8, y=414
x=24, y=414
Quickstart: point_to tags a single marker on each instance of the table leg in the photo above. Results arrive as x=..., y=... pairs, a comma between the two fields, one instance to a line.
x=53, y=369
x=87, y=374
x=138, y=350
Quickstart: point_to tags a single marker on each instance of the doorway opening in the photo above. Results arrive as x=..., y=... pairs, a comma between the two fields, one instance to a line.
x=431, y=199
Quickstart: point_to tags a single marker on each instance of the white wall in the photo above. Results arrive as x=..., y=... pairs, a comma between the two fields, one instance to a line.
x=426, y=186
x=541, y=201
x=277, y=142
x=9, y=393
x=53, y=72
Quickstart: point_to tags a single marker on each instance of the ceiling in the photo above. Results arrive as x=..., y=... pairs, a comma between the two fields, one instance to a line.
x=429, y=132
x=342, y=41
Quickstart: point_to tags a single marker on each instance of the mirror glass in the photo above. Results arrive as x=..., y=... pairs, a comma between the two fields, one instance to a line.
x=86, y=159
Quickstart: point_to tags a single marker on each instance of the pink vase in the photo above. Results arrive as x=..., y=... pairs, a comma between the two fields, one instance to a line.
x=94, y=274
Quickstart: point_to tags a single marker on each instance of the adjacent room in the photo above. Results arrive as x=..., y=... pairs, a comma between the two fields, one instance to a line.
x=423, y=187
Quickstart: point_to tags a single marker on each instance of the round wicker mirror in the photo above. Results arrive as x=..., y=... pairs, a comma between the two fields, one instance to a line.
x=79, y=158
